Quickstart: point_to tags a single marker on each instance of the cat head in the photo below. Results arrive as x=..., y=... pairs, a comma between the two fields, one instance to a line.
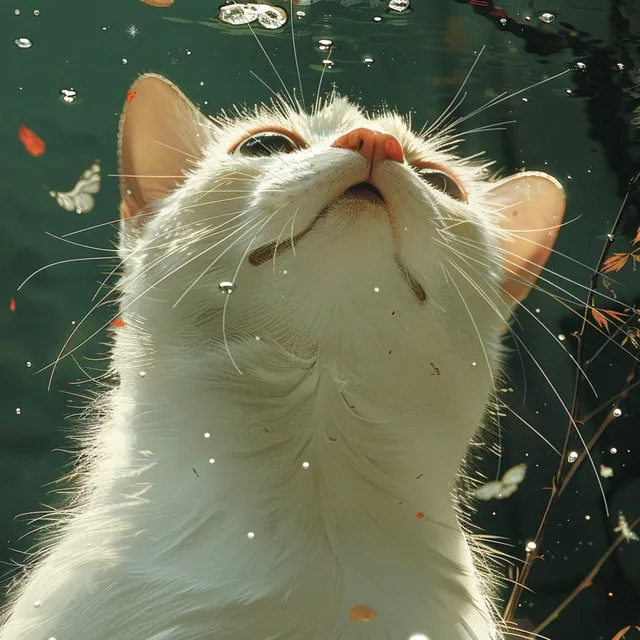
x=319, y=226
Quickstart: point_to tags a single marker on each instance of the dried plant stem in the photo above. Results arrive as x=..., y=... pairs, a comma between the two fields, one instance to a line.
x=565, y=472
x=587, y=581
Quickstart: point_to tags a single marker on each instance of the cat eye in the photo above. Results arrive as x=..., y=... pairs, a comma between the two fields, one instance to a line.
x=266, y=143
x=443, y=182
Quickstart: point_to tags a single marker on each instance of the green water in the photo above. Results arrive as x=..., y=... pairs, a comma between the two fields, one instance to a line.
x=576, y=127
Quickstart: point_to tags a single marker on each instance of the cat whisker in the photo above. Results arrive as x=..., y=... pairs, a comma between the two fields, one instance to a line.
x=316, y=106
x=59, y=262
x=79, y=244
x=450, y=108
x=295, y=53
x=553, y=389
x=284, y=86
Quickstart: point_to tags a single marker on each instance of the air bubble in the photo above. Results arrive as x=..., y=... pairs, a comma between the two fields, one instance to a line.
x=561, y=336
x=328, y=64
x=28, y=364
x=581, y=65
x=36, y=604
x=368, y=61
x=376, y=289
x=324, y=44
x=251, y=535
x=300, y=14
x=620, y=66
x=36, y=12
x=547, y=17
x=124, y=61
x=617, y=412
x=399, y=5
x=610, y=237
x=503, y=22
x=530, y=546
x=572, y=457
x=16, y=12
x=18, y=411
x=23, y=43
x=143, y=374
x=207, y=434
x=188, y=52
x=212, y=460
x=613, y=450
x=377, y=18
x=227, y=287
x=68, y=95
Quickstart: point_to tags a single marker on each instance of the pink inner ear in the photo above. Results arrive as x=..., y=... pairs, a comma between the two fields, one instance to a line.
x=532, y=205
x=161, y=137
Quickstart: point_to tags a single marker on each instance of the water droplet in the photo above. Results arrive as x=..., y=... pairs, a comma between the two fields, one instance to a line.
x=18, y=411
x=36, y=12
x=376, y=289
x=68, y=95
x=188, y=52
x=610, y=237
x=421, y=636
x=530, y=546
x=207, y=434
x=226, y=287
x=300, y=14
x=16, y=12
x=23, y=43
x=561, y=336
x=36, y=604
x=503, y=22
x=620, y=66
x=305, y=465
x=28, y=364
x=572, y=457
x=368, y=61
x=525, y=99
x=324, y=44
x=272, y=17
x=568, y=92
x=105, y=27
x=251, y=535
x=143, y=374
x=581, y=65
x=258, y=338
x=546, y=17
x=328, y=64
x=212, y=460
x=377, y=18
x=124, y=61
x=617, y=412
x=399, y=5
x=474, y=364
x=587, y=517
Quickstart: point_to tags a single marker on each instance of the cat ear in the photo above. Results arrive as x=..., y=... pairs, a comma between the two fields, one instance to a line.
x=531, y=205
x=161, y=136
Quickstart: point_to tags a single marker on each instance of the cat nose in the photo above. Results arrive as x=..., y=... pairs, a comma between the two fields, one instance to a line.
x=372, y=145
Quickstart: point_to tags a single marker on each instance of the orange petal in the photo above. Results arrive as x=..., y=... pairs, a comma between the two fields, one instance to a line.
x=158, y=3
x=131, y=95
x=362, y=613
x=118, y=322
x=33, y=143
x=12, y=305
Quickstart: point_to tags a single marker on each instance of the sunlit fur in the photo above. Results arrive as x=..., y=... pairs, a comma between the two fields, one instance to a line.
x=321, y=355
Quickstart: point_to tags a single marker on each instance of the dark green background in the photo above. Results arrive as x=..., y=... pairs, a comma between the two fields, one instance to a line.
x=576, y=127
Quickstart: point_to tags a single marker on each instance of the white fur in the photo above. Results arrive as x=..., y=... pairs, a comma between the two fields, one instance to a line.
x=379, y=394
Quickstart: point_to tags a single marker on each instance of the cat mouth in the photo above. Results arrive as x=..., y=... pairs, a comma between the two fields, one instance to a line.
x=365, y=190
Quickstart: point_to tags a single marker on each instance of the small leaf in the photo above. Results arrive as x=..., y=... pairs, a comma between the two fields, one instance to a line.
x=12, y=305
x=32, y=142
x=637, y=238
x=616, y=315
x=620, y=634
x=615, y=262
x=601, y=321
x=131, y=95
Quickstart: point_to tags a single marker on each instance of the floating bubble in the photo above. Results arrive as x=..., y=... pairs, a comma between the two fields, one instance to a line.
x=68, y=95
x=272, y=17
x=547, y=17
x=399, y=5
x=238, y=13
x=23, y=43
x=36, y=12
x=16, y=12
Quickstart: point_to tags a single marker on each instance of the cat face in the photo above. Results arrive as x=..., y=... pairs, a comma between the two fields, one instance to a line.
x=326, y=228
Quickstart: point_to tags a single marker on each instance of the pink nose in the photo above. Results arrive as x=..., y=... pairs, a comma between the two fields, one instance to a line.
x=372, y=145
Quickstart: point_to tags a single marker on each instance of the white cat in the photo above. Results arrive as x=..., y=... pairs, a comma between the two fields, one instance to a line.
x=313, y=307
